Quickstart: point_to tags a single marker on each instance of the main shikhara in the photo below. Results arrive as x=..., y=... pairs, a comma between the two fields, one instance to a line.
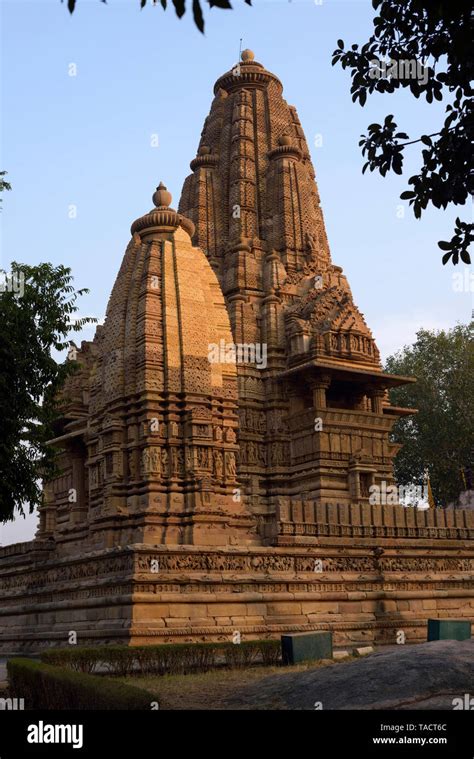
x=245, y=261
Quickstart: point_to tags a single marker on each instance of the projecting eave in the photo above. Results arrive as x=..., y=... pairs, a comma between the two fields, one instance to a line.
x=399, y=410
x=69, y=435
x=347, y=372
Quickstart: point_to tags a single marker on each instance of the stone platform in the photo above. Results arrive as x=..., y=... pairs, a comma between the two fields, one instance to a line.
x=364, y=582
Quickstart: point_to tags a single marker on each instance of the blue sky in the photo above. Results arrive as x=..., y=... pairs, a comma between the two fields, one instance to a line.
x=86, y=140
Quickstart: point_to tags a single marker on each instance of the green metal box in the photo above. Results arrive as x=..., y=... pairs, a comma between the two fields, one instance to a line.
x=449, y=629
x=300, y=647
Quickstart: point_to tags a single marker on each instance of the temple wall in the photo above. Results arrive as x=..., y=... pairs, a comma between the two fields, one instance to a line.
x=364, y=578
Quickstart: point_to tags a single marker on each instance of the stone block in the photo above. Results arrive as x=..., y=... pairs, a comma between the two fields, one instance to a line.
x=388, y=606
x=320, y=607
x=306, y=647
x=203, y=622
x=227, y=610
x=177, y=622
x=452, y=603
x=189, y=610
x=238, y=622
x=449, y=629
x=278, y=608
x=293, y=620
x=350, y=607
x=363, y=650
x=151, y=611
x=257, y=610
x=337, y=655
x=223, y=621
x=403, y=605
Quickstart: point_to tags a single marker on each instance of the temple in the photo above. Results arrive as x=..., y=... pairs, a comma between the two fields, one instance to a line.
x=220, y=439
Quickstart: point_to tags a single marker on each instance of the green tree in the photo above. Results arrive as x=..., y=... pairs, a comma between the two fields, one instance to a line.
x=441, y=435
x=37, y=307
x=424, y=46
x=180, y=7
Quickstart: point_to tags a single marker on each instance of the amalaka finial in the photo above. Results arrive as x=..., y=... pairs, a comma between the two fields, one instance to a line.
x=162, y=198
x=162, y=218
x=247, y=56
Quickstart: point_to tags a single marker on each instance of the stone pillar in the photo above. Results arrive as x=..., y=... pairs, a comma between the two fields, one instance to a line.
x=376, y=396
x=359, y=400
x=236, y=316
x=319, y=385
x=78, y=507
x=295, y=399
x=353, y=482
x=270, y=306
x=47, y=513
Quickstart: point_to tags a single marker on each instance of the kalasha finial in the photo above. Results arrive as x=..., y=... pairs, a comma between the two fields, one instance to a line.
x=162, y=218
x=247, y=56
x=162, y=198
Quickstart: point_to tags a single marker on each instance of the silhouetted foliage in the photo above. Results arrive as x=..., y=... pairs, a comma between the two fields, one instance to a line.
x=426, y=47
x=4, y=185
x=179, y=6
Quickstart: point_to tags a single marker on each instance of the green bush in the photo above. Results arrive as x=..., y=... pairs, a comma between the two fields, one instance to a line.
x=168, y=658
x=174, y=658
x=118, y=660
x=242, y=654
x=270, y=651
x=86, y=660
x=44, y=686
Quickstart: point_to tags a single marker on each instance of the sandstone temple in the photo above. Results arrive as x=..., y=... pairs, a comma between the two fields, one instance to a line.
x=220, y=438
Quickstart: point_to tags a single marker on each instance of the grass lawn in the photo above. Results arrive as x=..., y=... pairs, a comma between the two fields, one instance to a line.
x=217, y=689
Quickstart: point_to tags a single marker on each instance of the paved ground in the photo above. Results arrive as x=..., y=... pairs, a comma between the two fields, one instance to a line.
x=425, y=676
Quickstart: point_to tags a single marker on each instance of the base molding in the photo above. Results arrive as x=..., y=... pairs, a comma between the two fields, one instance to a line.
x=142, y=594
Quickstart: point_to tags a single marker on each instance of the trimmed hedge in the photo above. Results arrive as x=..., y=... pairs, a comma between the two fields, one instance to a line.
x=168, y=658
x=46, y=687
